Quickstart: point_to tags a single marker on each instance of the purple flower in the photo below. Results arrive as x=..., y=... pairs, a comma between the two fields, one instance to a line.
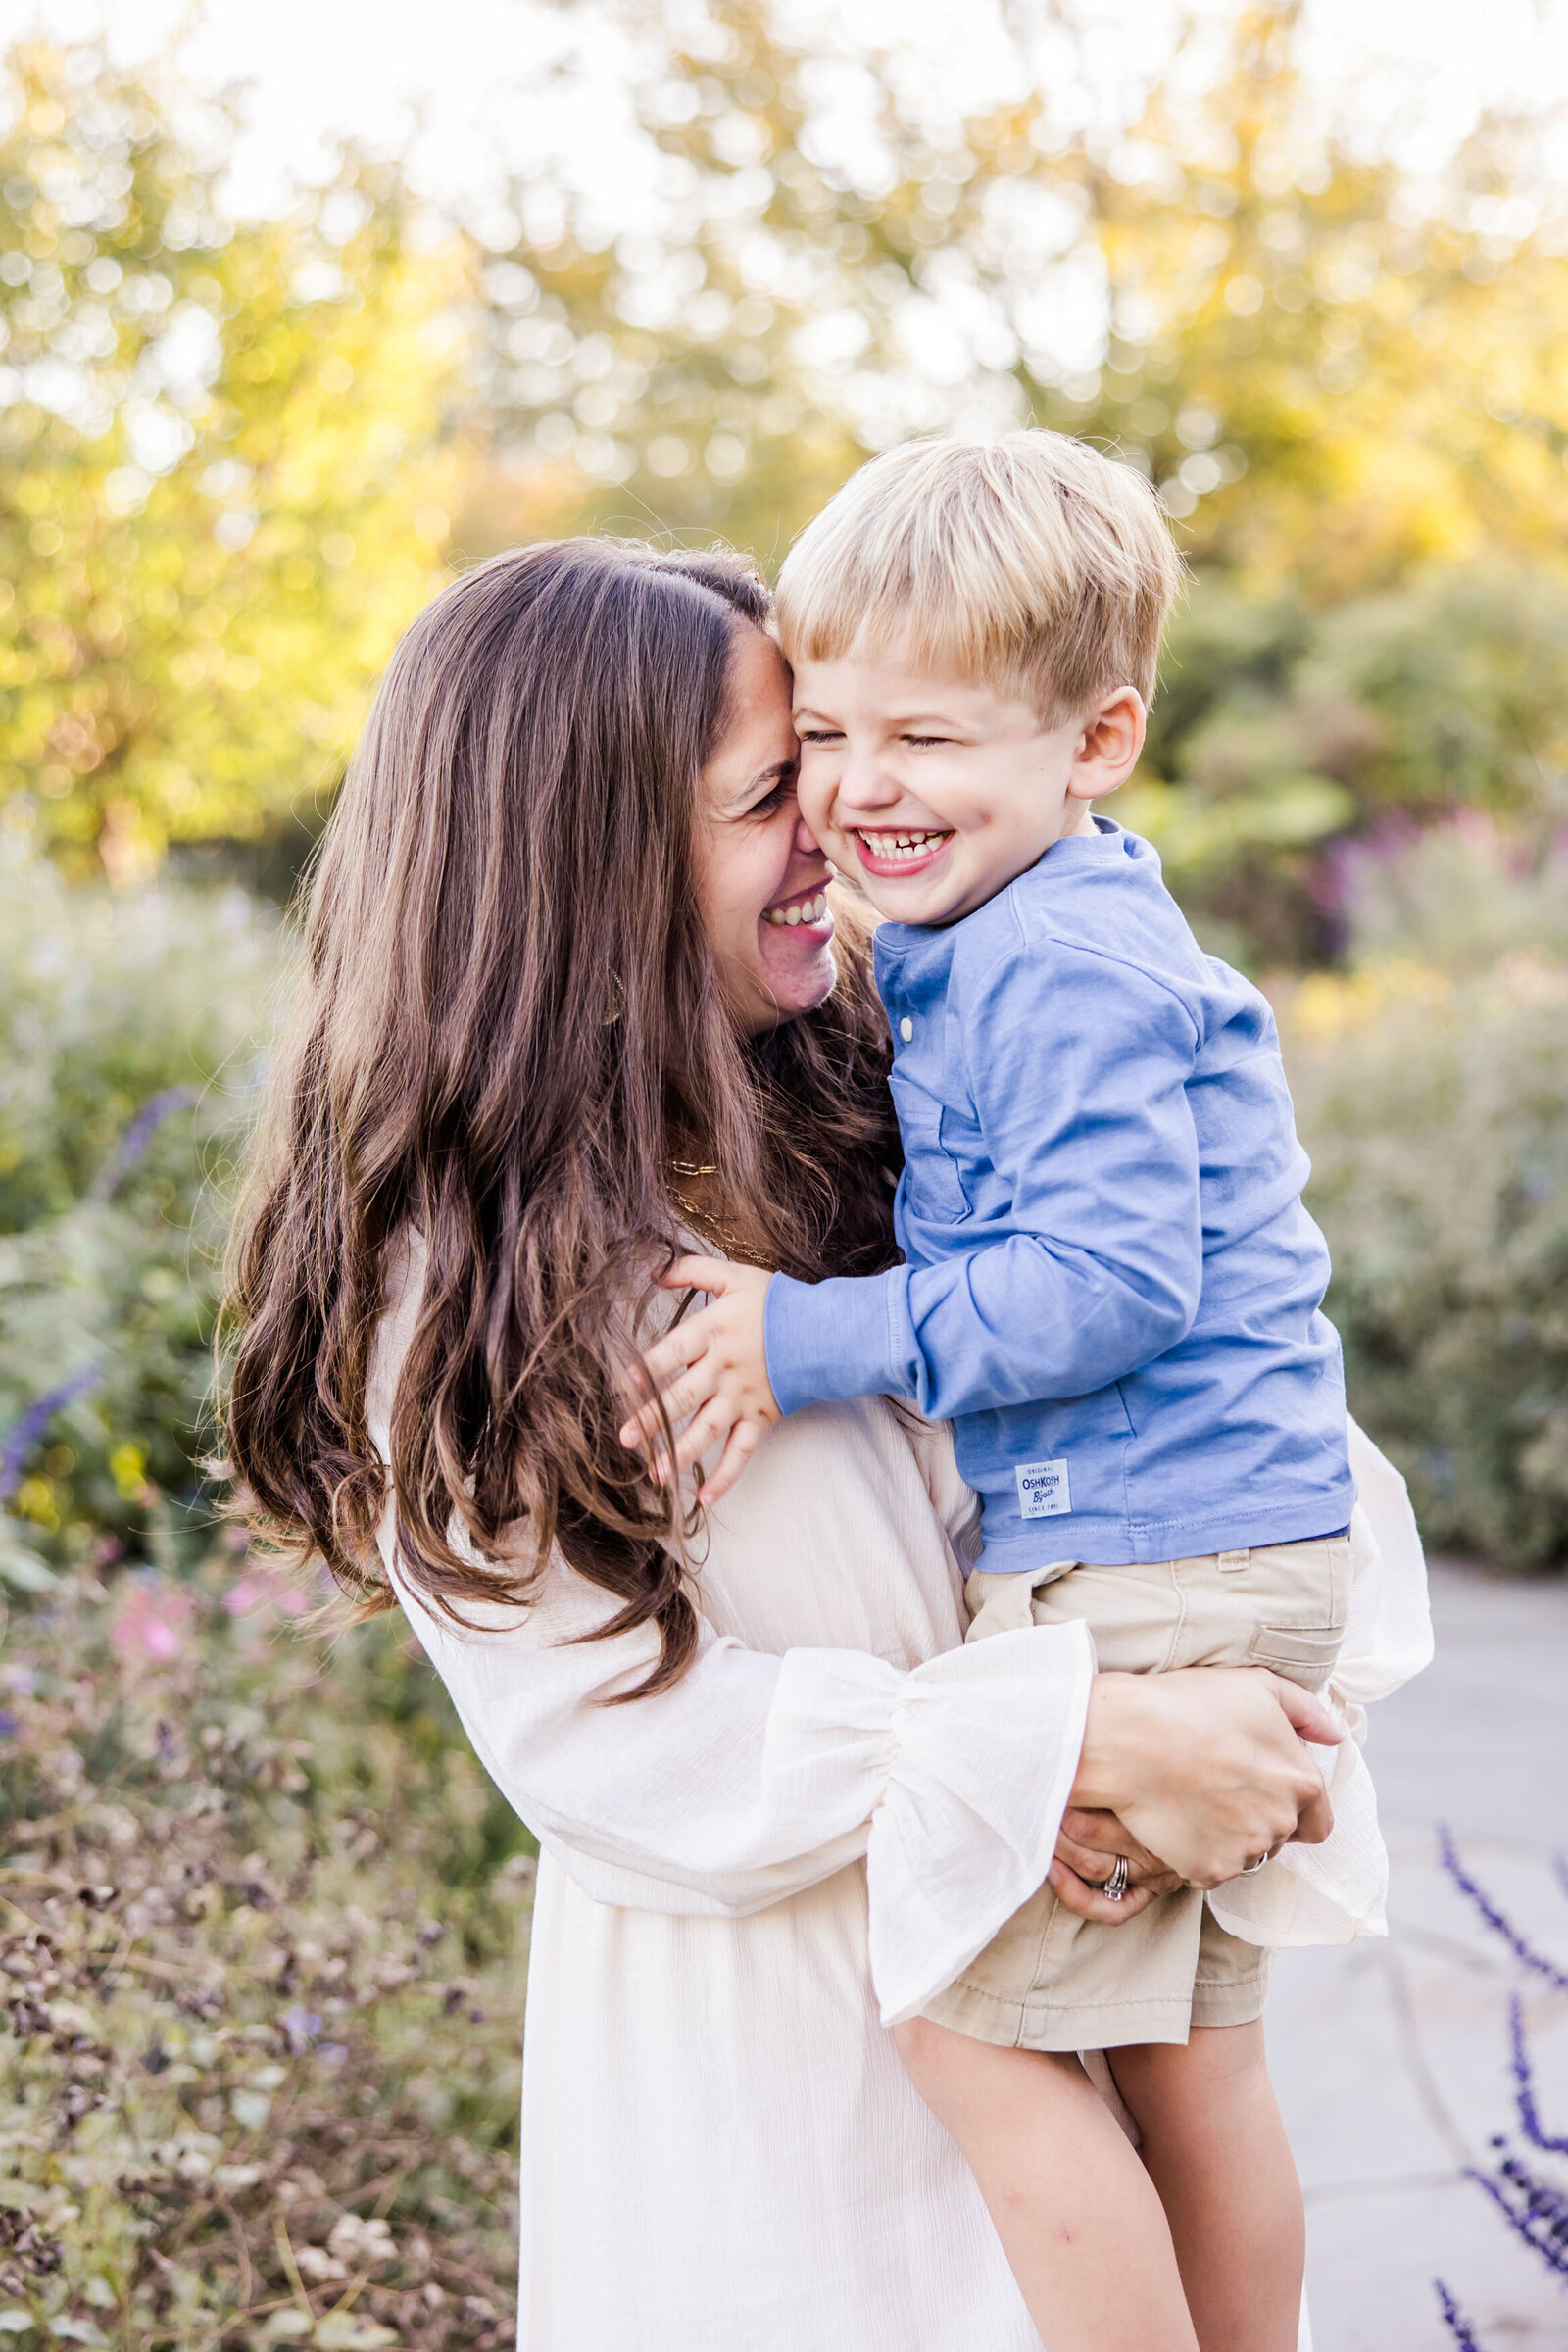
x=1533, y=2211
x=23, y=1435
x=134, y=1144
x=9, y=1724
x=301, y=2027
x=1523, y=2083
x=1460, y=2328
x=1525, y=1953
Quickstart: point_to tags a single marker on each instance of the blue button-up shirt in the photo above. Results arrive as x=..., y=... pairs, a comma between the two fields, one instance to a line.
x=1110, y=1285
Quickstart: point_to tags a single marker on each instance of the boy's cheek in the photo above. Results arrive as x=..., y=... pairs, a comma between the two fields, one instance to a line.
x=813, y=796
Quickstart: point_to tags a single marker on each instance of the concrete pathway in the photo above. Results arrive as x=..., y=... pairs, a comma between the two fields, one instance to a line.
x=1393, y=2060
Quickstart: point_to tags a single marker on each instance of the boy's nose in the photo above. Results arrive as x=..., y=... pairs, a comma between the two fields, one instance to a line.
x=865, y=786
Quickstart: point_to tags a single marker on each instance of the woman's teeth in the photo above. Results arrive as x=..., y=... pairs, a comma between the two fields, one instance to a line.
x=803, y=910
x=901, y=845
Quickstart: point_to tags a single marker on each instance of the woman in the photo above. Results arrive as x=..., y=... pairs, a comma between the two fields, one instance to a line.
x=571, y=997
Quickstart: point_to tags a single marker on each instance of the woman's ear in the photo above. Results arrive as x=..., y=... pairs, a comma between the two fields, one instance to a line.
x=1108, y=745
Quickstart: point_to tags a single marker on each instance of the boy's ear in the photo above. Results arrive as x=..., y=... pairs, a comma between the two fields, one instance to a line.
x=1108, y=745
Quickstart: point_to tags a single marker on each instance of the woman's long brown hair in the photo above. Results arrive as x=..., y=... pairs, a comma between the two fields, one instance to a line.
x=510, y=1022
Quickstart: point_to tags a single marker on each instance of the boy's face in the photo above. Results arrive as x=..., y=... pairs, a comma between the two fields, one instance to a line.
x=936, y=791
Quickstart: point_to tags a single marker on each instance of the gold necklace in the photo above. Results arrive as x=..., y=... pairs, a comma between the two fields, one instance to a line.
x=704, y=1221
x=703, y=1218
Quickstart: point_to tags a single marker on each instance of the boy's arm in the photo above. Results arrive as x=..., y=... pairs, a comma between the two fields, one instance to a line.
x=1079, y=1067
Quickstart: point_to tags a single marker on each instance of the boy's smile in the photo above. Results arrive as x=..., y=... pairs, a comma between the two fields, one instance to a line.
x=939, y=791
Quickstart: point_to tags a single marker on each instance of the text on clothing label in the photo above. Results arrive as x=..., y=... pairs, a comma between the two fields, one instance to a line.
x=1043, y=1489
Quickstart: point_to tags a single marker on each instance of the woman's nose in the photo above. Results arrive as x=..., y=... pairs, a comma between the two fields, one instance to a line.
x=806, y=841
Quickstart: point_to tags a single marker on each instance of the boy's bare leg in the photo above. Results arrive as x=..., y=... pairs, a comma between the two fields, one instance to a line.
x=1078, y=2217
x=1216, y=2151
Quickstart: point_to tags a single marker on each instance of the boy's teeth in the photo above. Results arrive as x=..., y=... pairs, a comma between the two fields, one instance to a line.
x=808, y=910
x=900, y=844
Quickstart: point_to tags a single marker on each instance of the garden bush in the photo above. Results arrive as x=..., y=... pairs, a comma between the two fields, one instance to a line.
x=1431, y=1092
x=261, y=1955
x=133, y=1027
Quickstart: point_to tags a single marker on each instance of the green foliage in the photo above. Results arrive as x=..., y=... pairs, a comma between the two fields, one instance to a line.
x=133, y=1025
x=1331, y=384
x=233, y=452
x=259, y=2083
x=1279, y=727
x=218, y=474
x=1431, y=1092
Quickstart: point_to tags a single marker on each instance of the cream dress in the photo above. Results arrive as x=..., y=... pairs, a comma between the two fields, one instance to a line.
x=828, y=1816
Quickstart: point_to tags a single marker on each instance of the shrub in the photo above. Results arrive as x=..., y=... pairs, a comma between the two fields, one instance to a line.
x=1432, y=1094
x=132, y=1032
x=260, y=1953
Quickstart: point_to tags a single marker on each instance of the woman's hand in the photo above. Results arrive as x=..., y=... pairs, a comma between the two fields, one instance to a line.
x=711, y=1372
x=1087, y=1852
x=1206, y=1766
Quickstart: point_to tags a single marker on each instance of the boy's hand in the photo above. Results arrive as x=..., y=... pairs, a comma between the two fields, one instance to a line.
x=713, y=1367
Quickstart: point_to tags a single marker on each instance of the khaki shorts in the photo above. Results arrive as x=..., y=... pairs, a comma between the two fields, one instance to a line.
x=1051, y=1981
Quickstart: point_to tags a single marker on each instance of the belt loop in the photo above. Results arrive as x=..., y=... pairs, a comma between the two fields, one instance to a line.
x=1230, y=1562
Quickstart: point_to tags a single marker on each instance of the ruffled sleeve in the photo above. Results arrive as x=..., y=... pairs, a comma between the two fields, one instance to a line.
x=755, y=1776
x=1337, y=1891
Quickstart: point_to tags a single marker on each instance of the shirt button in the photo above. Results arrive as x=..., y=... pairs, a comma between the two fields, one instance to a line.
x=905, y=1028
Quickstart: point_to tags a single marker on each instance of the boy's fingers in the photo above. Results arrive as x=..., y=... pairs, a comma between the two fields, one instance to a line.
x=743, y=1441
x=697, y=1274
x=671, y=1354
x=682, y=1396
x=703, y=1431
x=645, y=1427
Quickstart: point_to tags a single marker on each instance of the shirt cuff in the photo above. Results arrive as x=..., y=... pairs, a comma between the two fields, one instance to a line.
x=828, y=1341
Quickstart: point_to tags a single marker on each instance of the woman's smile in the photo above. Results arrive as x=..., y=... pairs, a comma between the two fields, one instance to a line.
x=762, y=876
x=806, y=911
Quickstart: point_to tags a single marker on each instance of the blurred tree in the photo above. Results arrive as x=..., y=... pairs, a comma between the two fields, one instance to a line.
x=232, y=455
x=1225, y=295
x=1338, y=386
x=220, y=476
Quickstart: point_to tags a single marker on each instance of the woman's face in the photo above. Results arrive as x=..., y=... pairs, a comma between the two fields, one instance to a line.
x=759, y=873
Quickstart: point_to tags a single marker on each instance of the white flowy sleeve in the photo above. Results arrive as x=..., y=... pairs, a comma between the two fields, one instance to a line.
x=1337, y=1891
x=756, y=1776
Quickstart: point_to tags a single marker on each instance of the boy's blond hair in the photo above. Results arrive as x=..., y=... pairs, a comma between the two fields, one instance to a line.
x=1031, y=561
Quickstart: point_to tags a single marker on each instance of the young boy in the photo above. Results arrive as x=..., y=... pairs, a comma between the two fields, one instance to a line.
x=1110, y=1286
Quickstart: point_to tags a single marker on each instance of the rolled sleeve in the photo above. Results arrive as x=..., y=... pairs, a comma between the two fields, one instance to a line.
x=827, y=1341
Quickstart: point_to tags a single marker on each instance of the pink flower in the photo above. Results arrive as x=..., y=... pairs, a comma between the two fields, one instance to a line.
x=152, y=1620
x=265, y=1588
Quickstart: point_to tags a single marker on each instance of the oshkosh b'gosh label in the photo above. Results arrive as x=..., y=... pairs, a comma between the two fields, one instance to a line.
x=1043, y=1489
